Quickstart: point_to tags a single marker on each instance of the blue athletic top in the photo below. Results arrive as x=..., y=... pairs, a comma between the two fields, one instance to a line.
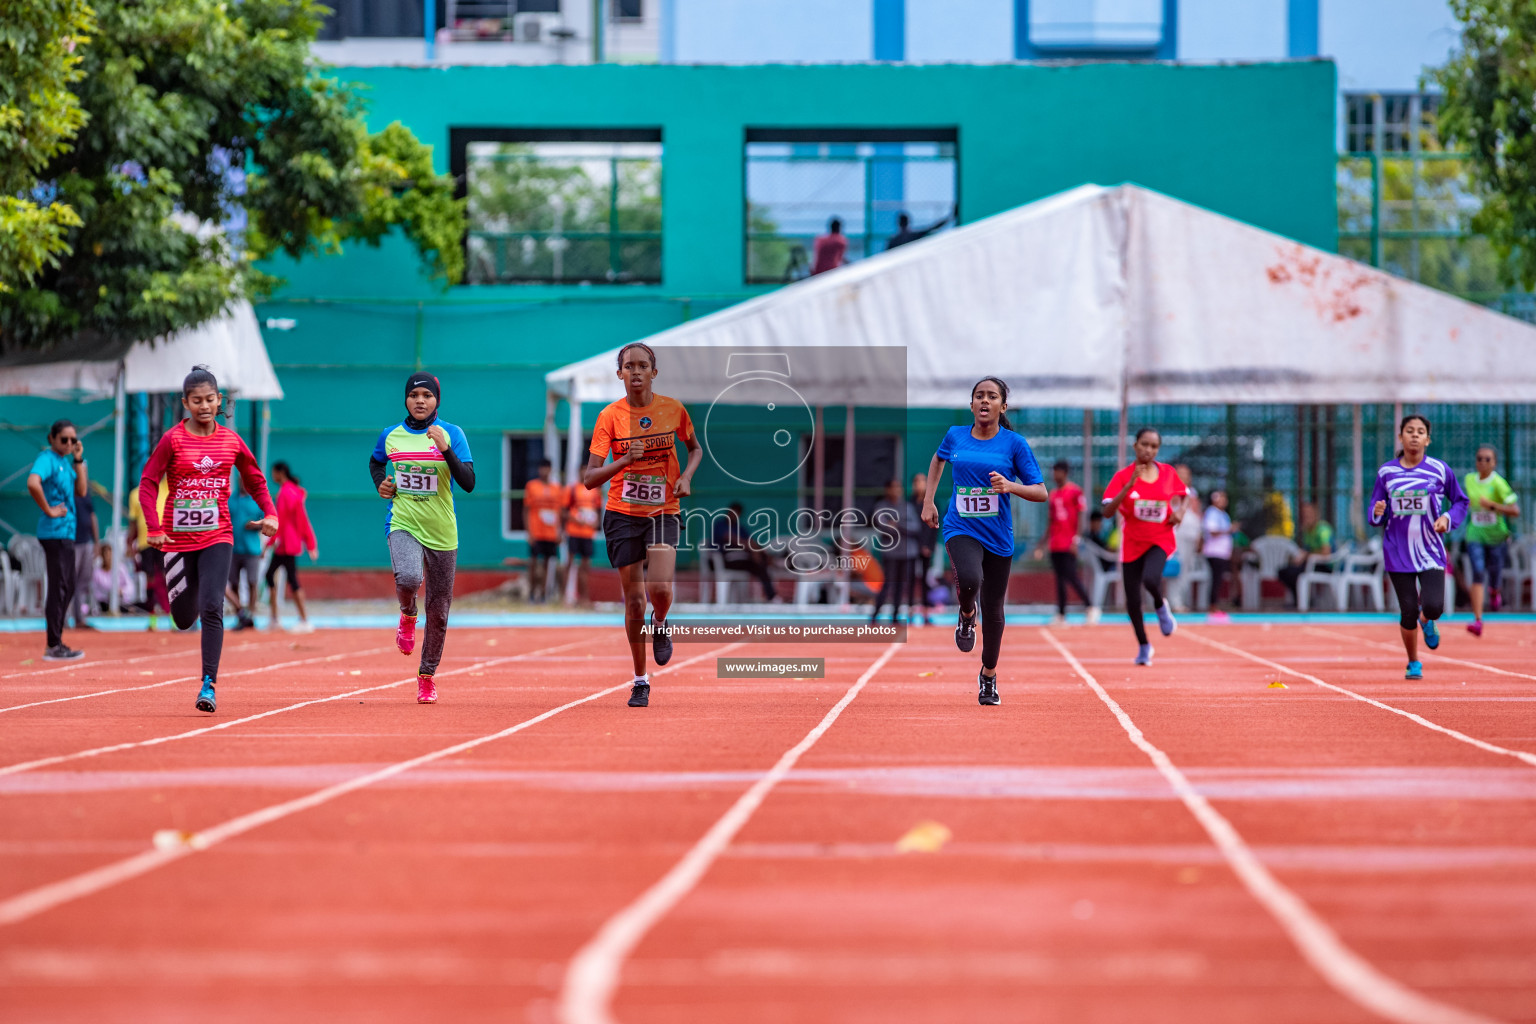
x=58, y=477
x=975, y=510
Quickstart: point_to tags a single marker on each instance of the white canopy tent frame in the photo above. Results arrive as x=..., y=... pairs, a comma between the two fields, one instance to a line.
x=231, y=346
x=1103, y=298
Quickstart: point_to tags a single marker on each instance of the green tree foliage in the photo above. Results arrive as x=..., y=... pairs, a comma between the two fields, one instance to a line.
x=1490, y=110
x=40, y=59
x=215, y=141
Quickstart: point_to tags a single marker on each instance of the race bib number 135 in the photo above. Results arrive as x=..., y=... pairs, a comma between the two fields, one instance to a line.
x=1149, y=511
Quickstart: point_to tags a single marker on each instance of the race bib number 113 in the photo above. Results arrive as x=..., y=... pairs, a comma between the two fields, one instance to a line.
x=975, y=502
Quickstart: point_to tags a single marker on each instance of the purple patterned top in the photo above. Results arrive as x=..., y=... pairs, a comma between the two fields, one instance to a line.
x=1415, y=499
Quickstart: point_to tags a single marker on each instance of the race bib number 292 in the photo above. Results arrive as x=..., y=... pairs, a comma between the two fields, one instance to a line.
x=195, y=515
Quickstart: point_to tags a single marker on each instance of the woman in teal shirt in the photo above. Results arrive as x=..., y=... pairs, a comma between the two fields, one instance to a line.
x=58, y=476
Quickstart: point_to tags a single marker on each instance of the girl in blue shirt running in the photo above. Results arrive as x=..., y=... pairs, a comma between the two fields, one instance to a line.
x=990, y=463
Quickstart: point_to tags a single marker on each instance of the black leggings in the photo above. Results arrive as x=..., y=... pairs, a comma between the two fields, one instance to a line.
x=1419, y=591
x=1146, y=571
x=977, y=569
x=59, y=585
x=196, y=580
x=1064, y=565
x=898, y=576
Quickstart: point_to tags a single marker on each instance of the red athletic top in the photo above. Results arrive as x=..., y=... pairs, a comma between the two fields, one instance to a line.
x=1066, y=505
x=1145, y=511
x=197, y=471
x=295, y=533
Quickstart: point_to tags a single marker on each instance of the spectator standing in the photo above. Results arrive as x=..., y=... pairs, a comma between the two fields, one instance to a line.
x=906, y=234
x=87, y=539
x=896, y=521
x=927, y=543
x=151, y=559
x=831, y=248
x=544, y=505
x=294, y=535
x=1061, y=539
x=738, y=552
x=245, y=563
x=1216, y=545
x=58, y=477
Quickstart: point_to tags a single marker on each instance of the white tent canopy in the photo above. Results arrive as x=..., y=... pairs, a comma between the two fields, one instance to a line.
x=92, y=370
x=1102, y=296
x=231, y=346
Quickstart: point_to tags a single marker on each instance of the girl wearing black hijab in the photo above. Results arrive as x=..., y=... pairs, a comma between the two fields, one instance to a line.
x=415, y=464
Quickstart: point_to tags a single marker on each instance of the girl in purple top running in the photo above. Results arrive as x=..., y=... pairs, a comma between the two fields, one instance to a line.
x=1417, y=499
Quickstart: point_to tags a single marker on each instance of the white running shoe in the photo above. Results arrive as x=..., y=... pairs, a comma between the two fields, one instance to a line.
x=302, y=626
x=1093, y=616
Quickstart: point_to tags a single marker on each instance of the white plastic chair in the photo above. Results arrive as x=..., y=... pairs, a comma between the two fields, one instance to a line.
x=32, y=592
x=1324, y=571
x=724, y=579
x=1364, y=569
x=1194, y=572
x=1102, y=582
x=1266, y=558
x=1516, y=575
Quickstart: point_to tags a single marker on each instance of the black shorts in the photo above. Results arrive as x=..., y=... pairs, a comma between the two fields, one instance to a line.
x=544, y=549
x=581, y=547
x=289, y=562
x=628, y=536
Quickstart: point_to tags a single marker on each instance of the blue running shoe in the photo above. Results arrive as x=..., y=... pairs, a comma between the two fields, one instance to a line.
x=1415, y=670
x=1144, y=655
x=1431, y=634
x=205, y=699
x=1165, y=621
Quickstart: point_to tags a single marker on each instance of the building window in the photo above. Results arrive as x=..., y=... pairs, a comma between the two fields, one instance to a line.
x=626, y=10
x=798, y=181
x=876, y=460
x=1096, y=24
x=521, y=456
x=561, y=207
x=1399, y=122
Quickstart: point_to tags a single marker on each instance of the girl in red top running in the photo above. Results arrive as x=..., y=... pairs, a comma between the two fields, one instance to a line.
x=196, y=458
x=1150, y=499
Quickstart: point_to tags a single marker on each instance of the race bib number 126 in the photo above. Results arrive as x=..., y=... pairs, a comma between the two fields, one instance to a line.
x=1410, y=503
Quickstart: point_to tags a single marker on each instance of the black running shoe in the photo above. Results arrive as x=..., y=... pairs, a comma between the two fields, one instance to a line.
x=988, y=692
x=640, y=695
x=661, y=643
x=965, y=634
x=60, y=652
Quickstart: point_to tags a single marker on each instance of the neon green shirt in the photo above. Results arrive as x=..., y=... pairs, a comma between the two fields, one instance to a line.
x=423, y=502
x=1484, y=525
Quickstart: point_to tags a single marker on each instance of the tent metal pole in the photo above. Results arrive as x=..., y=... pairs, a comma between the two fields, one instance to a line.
x=1125, y=428
x=819, y=465
x=1357, y=479
x=119, y=473
x=848, y=454
x=551, y=429
x=1087, y=465
x=575, y=453
x=265, y=434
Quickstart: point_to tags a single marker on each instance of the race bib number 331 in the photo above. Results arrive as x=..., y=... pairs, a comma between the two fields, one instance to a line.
x=195, y=515
x=644, y=489
x=413, y=481
x=975, y=502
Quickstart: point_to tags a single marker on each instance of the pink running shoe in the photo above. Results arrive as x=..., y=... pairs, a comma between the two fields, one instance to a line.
x=405, y=634
x=426, y=690
x=1497, y=602
x=1475, y=628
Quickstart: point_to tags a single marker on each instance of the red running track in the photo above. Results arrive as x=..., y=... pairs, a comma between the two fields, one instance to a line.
x=323, y=857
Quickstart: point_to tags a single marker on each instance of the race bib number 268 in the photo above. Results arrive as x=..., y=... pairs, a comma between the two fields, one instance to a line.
x=644, y=489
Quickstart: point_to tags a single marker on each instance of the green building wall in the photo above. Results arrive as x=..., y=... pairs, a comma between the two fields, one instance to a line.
x=1255, y=142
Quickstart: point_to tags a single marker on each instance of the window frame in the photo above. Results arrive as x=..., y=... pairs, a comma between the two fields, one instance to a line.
x=460, y=137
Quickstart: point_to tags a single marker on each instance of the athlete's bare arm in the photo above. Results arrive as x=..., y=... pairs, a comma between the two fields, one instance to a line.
x=695, y=456
x=597, y=473
x=935, y=473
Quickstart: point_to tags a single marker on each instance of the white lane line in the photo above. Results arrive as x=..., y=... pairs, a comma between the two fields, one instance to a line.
x=75, y=666
x=1491, y=748
x=586, y=996
x=188, y=679
x=1423, y=653
x=46, y=897
x=43, y=762
x=1349, y=973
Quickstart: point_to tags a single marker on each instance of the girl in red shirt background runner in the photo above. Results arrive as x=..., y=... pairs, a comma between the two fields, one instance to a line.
x=1150, y=499
x=294, y=536
x=1065, y=505
x=196, y=458
x=641, y=524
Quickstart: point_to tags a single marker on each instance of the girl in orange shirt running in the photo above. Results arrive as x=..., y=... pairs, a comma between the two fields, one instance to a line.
x=641, y=524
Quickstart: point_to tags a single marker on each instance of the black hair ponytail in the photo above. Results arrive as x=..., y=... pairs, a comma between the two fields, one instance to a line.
x=1409, y=419
x=199, y=377
x=1002, y=389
